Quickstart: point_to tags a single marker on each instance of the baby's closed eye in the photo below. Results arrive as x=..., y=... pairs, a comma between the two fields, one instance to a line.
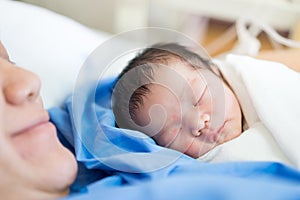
x=201, y=98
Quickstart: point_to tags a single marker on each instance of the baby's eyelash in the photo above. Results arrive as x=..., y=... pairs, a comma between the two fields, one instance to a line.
x=201, y=97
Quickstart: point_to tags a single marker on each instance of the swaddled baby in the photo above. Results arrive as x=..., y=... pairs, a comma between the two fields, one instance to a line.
x=182, y=100
x=198, y=111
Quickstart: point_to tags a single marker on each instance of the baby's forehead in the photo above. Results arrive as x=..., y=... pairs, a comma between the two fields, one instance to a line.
x=181, y=80
x=178, y=73
x=176, y=92
x=188, y=70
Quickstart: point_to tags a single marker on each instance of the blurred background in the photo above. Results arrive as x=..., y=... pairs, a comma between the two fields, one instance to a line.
x=210, y=22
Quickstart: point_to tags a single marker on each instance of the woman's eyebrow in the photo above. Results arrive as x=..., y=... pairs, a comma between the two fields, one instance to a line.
x=3, y=53
x=3, y=56
x=7, y=59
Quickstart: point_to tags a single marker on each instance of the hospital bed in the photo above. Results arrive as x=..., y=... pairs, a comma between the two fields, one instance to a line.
x=56, y=48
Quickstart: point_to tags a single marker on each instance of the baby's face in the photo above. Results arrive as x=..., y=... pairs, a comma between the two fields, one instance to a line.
x=201, y=111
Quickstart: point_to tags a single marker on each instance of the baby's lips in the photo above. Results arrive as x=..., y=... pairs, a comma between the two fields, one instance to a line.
x=206, y=131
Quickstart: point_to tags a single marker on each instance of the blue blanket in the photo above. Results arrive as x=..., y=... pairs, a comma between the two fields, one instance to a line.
x=122, y=164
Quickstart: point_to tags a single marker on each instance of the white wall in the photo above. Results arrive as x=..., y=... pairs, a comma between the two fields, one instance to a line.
x=115, y=16
x=98, y=14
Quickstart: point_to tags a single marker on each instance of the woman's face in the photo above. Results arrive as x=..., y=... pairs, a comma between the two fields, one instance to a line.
x=33, y=163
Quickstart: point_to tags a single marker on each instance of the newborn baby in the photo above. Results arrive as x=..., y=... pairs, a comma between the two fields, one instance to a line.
x=178, y=98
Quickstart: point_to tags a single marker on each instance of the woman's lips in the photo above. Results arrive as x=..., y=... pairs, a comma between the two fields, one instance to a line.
x=33, y=141
x=35, y=124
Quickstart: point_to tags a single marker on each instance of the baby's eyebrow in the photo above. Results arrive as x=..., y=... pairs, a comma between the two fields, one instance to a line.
x=185, y=89
x=195, y=95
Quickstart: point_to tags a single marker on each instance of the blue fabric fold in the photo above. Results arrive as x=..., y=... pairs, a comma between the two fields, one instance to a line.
x=247, y=181
x=99, y=144
x=116, y=163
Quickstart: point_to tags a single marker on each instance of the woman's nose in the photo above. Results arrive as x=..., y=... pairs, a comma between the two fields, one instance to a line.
x=21, y=86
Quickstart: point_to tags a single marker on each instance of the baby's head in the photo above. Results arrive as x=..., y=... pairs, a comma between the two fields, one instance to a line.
x=178, y=98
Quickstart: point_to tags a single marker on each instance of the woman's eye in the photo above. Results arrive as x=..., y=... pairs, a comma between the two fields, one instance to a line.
x=5, y=58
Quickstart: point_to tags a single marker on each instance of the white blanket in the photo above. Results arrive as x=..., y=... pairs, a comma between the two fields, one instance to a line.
x=269, y=94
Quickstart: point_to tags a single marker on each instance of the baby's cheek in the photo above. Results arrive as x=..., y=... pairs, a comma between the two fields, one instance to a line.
x=175, y=117
x=230, y=98
x=185, y=145
x=168, y=137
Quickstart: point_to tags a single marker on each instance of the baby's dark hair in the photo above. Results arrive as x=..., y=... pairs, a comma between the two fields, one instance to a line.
x=132, y=84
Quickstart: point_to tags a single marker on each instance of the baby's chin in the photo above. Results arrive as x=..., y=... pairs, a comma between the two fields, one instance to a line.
x=210, y=149
x=208, y=155
x=205, y=149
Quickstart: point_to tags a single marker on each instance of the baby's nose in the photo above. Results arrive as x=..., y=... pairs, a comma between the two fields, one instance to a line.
x=205, y=118
x=201, y=124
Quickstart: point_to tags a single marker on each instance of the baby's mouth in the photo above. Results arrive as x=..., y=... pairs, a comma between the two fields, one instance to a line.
x=212, y=135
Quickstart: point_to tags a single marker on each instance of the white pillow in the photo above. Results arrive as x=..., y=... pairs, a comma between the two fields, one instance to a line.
x=49, y=44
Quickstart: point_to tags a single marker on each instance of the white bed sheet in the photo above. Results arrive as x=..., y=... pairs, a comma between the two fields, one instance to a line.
x=269, y=96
